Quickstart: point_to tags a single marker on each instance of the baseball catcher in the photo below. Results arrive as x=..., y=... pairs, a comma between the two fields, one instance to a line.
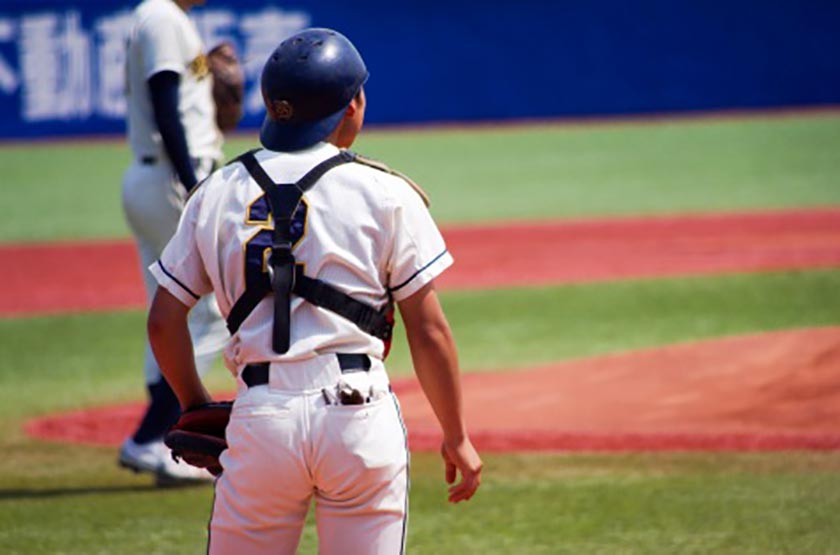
x=199, y=435
x=310, y=311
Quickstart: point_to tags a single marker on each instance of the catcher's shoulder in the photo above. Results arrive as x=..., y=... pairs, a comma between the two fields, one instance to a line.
x=234, y=161
x=234, y=165
x=385, y=168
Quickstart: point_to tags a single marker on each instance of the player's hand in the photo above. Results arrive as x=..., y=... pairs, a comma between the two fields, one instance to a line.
x=461, y=457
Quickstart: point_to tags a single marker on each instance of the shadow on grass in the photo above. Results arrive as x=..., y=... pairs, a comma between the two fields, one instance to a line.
x=18, y=494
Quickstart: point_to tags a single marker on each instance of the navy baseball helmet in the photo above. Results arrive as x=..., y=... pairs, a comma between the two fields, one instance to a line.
x=307, y=84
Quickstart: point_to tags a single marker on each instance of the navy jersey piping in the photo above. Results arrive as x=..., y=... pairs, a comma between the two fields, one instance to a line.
x=418, y=272
x=176, y=280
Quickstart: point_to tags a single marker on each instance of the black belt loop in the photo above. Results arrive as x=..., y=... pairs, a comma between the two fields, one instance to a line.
x=257, y=373
x=353, y=363
x=195, y=162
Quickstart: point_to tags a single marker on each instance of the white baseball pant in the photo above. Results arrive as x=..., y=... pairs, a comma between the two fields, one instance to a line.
x=288, y=444
x=153, y=200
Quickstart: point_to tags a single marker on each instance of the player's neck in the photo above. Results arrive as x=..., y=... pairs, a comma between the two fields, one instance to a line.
x=338, y=139
x=343, y=136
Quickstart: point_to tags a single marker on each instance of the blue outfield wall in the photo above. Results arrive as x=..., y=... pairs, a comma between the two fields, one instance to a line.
x=61, y=62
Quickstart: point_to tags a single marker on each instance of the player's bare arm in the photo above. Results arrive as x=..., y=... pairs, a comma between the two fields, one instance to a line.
x=169, y=336
x=435, y=359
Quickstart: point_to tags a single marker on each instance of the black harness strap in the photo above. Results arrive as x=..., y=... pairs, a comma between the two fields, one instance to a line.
x=283, y=201
x=375, y=322
x=287, y=278
x=245, y=304
x=253, y=293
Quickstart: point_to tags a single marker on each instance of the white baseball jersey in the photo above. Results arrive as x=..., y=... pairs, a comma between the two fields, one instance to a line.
x=361, y=230
x=163, y=38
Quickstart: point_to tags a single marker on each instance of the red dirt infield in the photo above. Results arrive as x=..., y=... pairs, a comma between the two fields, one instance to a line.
x=104, y=275
x=772, y=391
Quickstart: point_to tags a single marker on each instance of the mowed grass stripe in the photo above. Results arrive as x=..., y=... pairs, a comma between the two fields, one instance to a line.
x=78, y=360
x=484, y=174
x=544, y=504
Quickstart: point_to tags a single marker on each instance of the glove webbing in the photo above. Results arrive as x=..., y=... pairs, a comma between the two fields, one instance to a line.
x=286, y=278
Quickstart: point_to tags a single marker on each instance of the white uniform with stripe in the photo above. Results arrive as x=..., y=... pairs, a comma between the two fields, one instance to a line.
x=368, y=234
x=163, y=38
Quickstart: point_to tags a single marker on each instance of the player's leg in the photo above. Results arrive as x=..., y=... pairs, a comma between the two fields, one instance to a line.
x=152, y=206
x=151, y=211
x=153, y=201
x=263, y=495
x=208, y=331
x=207, y=326
x=144, y=450
x=362, y=478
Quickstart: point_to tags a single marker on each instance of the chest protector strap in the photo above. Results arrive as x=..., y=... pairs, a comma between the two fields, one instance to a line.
x=286, y=278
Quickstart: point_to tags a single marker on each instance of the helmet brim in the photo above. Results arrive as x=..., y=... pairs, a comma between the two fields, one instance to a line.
x=289, y=137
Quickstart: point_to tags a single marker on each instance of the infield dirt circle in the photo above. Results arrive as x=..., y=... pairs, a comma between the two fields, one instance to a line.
x=771, y=391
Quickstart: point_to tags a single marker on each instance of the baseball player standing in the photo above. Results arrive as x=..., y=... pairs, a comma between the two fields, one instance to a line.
x=305, y=247
x=175, y=142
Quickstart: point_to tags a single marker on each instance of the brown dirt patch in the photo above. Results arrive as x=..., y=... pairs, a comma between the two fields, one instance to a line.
x=68, y=277
x=778, y=390
x=770, y=391
x=50, y=278
x=548, y=253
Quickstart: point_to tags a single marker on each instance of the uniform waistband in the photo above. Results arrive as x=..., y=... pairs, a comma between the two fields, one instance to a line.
x=199, y=162
x=310, y=374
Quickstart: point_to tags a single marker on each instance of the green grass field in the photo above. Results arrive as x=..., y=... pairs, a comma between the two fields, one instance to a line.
x=488, y=174
x=72, y=499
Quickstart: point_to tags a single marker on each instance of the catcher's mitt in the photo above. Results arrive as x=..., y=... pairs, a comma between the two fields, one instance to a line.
x=228, y=85
x=199, y=435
